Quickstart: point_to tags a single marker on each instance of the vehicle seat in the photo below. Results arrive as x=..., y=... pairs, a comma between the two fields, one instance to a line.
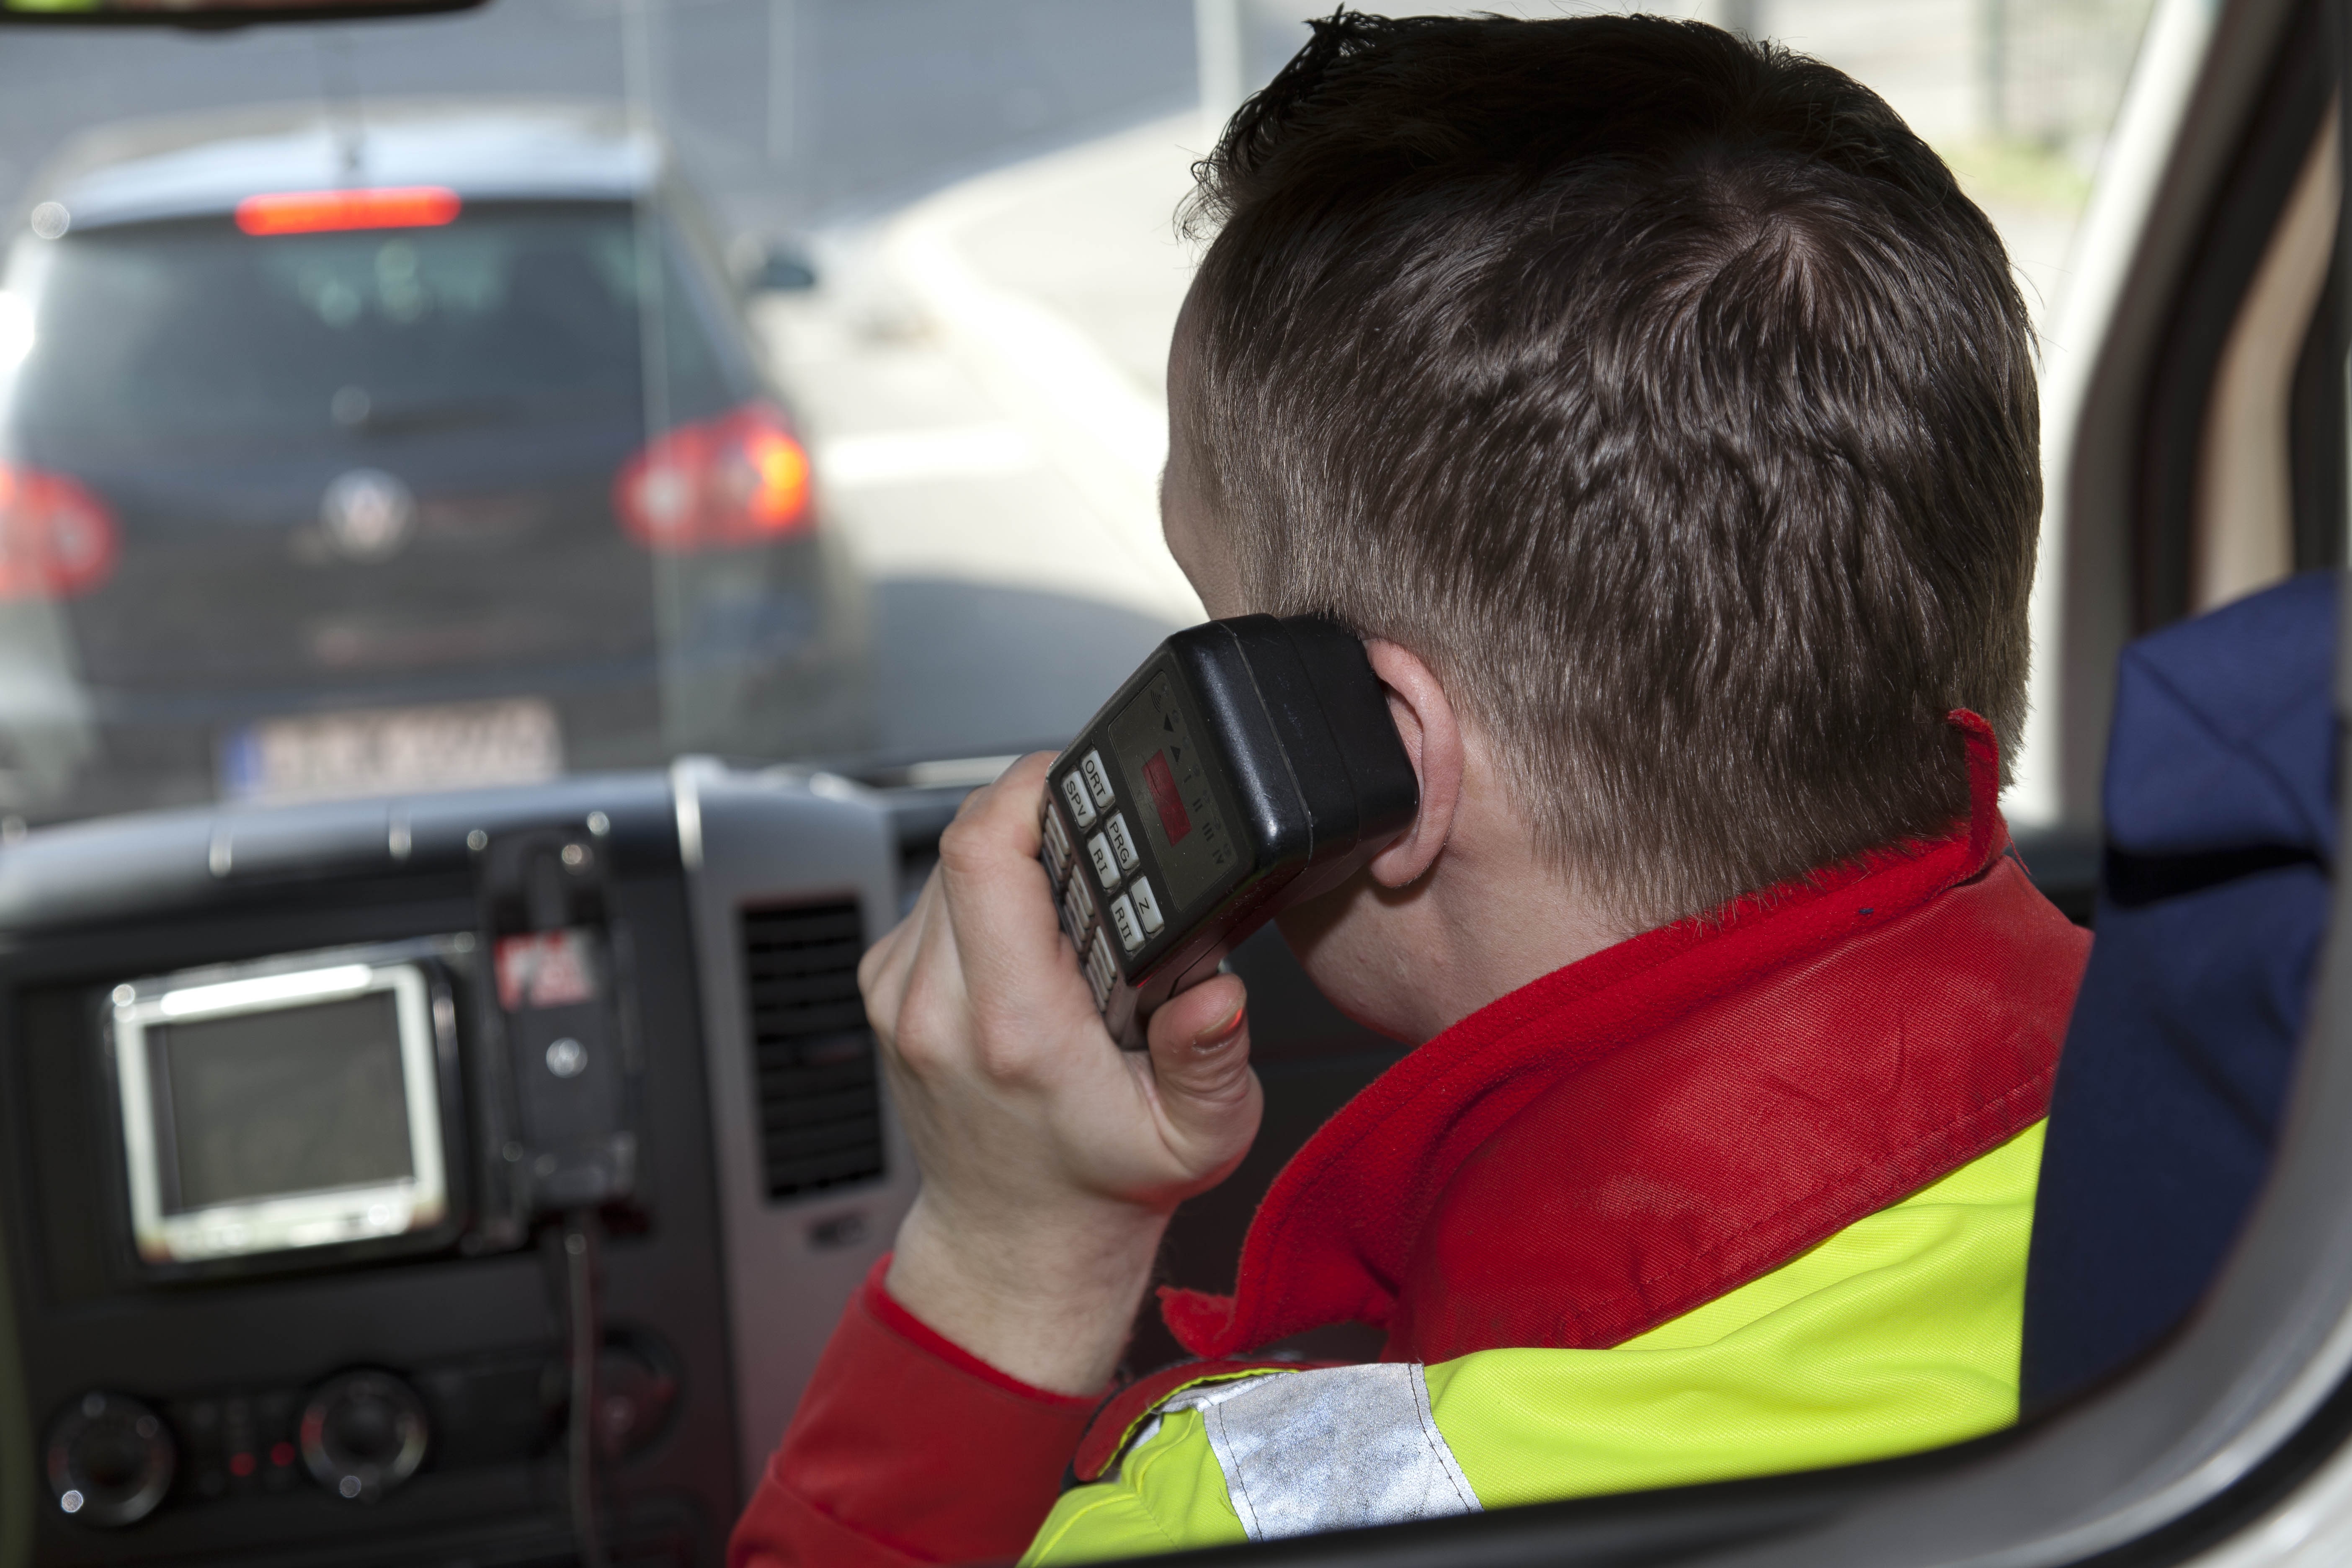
x=2221, y=833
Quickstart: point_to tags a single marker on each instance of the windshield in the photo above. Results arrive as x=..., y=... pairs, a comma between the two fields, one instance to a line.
x=558, y=386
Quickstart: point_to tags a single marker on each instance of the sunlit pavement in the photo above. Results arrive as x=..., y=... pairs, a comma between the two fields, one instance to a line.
x=982, y=377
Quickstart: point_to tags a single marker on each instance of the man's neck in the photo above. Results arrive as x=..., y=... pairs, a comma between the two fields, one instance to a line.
x=1489, y=917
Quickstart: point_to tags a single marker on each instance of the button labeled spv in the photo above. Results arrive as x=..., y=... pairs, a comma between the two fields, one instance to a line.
x=1075, y=794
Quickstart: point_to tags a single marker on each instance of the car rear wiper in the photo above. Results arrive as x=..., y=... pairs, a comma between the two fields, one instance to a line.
x=362, y=412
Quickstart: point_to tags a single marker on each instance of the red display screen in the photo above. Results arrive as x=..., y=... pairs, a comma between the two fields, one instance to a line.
x=1174, y=820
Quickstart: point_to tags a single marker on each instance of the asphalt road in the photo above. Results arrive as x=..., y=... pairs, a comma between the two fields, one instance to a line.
x=793, y=112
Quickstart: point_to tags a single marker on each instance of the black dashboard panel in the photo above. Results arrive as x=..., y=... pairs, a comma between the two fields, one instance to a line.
x=119, y=1362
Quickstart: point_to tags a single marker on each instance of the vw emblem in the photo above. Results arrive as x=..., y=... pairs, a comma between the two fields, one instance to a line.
x=368, y=514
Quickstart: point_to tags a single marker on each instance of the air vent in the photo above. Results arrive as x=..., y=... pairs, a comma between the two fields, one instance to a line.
x=820, y=1114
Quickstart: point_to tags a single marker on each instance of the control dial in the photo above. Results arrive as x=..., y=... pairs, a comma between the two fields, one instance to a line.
x=110, y=1460
x=362, y=1434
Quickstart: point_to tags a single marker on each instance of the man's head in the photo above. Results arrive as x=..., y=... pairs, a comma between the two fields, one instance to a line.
x=1661, y=391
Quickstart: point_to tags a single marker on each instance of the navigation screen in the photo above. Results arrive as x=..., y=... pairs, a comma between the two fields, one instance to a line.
x=1162, y=765
x=292, y=1100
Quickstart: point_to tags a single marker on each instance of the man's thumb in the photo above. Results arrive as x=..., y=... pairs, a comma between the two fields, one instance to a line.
x=1199, y=1056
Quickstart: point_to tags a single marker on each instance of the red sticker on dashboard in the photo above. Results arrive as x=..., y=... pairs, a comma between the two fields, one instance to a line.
x=1174, y=820
x=545, y=969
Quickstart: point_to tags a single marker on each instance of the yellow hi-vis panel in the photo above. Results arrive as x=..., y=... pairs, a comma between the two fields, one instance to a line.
x=1900, y=1333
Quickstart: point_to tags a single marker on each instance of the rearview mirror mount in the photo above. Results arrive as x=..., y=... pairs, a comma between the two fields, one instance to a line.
x=214, y=13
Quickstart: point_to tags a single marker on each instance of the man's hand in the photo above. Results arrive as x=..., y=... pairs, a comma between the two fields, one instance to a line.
x=1051, y=1159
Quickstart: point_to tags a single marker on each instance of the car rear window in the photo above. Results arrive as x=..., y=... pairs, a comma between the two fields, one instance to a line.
x=197, y=329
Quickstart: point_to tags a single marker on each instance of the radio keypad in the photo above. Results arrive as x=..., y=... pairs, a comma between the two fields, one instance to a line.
x=1075, y=792
x=1100, y=968
x=1057, y=848
x=1126, y=902
x=1077, y=905
x=1146, y=907
x=1097, y=780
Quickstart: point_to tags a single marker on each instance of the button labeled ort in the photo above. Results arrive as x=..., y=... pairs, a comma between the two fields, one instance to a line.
x=1097, y=780
x=1075, y=794
x=1121, y=841
x=1130, y=928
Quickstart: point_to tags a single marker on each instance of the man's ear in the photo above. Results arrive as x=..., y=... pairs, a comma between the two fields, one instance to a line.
x=1432, y=738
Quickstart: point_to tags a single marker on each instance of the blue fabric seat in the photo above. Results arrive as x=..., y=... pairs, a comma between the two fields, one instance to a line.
x=2220, y=802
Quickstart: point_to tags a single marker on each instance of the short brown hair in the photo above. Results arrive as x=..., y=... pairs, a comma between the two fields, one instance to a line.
x=1664, y=392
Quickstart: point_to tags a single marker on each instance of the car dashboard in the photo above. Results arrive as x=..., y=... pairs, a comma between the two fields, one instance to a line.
x=401, y=1395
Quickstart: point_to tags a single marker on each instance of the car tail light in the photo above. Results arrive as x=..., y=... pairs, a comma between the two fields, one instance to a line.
x=740, y=478
x=56, y=540
x=313, y=211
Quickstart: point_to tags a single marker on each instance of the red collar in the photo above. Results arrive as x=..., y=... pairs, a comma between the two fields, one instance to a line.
x=1642, y=1130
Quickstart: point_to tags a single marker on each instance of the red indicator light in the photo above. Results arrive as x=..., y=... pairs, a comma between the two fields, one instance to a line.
x=1161, y=780
x=281, y=1454
x=240, y=1465
x=314, y=212
x=740, y=478
x=56, y=540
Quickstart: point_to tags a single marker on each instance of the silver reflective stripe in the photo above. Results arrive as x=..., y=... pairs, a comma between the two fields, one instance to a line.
x=1331, y=1450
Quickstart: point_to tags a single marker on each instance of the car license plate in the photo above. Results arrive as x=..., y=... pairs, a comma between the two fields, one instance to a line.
x=331, y=756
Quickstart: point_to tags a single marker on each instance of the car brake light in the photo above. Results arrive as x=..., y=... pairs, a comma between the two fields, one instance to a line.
x=740, y=478
x=313, y=211
x=56, y=540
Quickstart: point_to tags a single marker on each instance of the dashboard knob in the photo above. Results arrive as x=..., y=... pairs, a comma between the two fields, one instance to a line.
x=362, y=1434
x=110, y=1460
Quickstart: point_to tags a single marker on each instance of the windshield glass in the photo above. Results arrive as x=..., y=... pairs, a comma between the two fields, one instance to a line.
x=442, y=400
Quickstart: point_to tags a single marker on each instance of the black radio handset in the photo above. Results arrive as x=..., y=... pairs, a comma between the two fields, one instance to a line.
x=1248, y=764
x=560, y=1032
x=557, y=1021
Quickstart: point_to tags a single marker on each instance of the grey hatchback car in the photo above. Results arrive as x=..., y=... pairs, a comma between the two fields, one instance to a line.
x=421, y=447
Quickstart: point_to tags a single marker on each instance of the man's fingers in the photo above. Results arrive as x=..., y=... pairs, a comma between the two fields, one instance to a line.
x=1199, y=1061
x=1002, y=904
x=882, y=973
x=1000, y=822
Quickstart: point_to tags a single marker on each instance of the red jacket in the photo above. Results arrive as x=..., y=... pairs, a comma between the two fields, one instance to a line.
x=1594, y=1154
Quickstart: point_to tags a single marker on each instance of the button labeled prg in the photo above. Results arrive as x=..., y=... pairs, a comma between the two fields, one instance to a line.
x=1121, y=841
